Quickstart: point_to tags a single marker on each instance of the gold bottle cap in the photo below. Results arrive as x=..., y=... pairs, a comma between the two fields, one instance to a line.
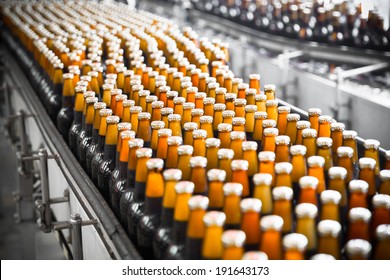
x=135, y=109
x=371, y=144
x=322, y=257
x=238, y=121
x=316, y=161
x=297, y=150
x=166, y=111
x=349, y=134
x=384, y=175
x=366, y=162
x=136, y=142
x=262, y=179
x=266, y=156
x=255, y=255
x=283, y=167
x=260, y=115
x=237, y=135
x=260, y=97
x=179, y=100
x=206, y=119
x=314, y=112
x=303, y=124
x=306, y=210
x=325, y=119
x=293, y=117
x=230, y=96
x=198, y=161
x=254, y=76
x=208, y=101
x=216, y=175
x=250, y=108
x=295, y=241
x=197, y=112
x=282, y=140
x=271, y=103
x=225, y=127
x=124, y=126
x=144, y=152
x=157, y=104
x=128, y=103
x=225, y=154
x=358, y=186
x=358, y=247
x=282, y=193
x=250, y=204
x=330, y=196
x=337, y=126
x=329, y=228
x=212, y=143
x=271, y=222
x=270, y=131
x=199, y=133
x=174, y=140
x=269, y=87
x=324, y=142
x=309, y=132
x=214, y=218
x=190, y=126
x=249, y=146
x=359, y=214
x=112, y=119
x=381, y=200
x=185, y=150
x=284, y=109
x=382, y=232
x=184, y=187
x=269, y=123
x=345, y=152
x=239, y=164
x=172, y=94
x=233, y=238
x=219, y=107
x=151, y=98
x=308, y=182
x=232, y=189
x=172, y=174
x=198, y=202
x=337, y=172
x=155, y=163
x=228, y=114
x=174, y=117
x=144, y=116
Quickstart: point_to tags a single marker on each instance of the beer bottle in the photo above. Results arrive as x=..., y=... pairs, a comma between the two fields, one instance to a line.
x=231, y=208
x=269, y=91
x=199, y=97
x=309, y=141
x=162, y=143
x=371, y=151
x=298, y=162
x=324, y=149
x=301, y=125
x=198, y=174
x=250, y=111
x=106, y=96
x=91, y=151
x=220, y=95
x=269, y=135
x=242, y=87
x=239, y=175
x=178, y=106
x=250, y=225
x=134, y=111
x=336, y=133
x=330, y=201
x=81, y=134
x=224, y=131
x=155, y=127
x=262, y=191
x=249, y=154
x=208, y=105
x=127, y=104
x=282, y=207
x=314, y=114
x=233, y=241
x=136, y=206
x=271, y=239
x=114, y=93
x=75, y=128
x=291, y=126
x=380, y=211
x=345, y=159
x=165, y=112
x=367, y=173
x=235, y=83
x=267, y=164
x=250, y=94
x=306, y=224
x=329, y=238
x=384, y=187
x=149, y=100
x=358, y=226
x=176, y=250
x=382, y=251
x=227, y=116
x=195, y=115
x=324, y=122
x=144, y=130
x=357, y=194
x=150, y=218
x=189, y=94
x=212, y=147
x=172, y=155
x=282, y=144
x=316, y=169
x=65, y=115
x=94, y=82
x=283, y=111
x=294, y=245
x=189, y=128
x=163, y=236
x=107, y=163
x=308, y=190
x=255, y=255
x=119, y=175
x=239, y=107
x=254, y=82
x=212, y=246
x=272, y=109
x=215, y=177
x=128, y=192
x=86, y=140
x=171, y=95
x=283, y=174
x=258, y=125
x=349, y=140
x=337, y=177
x=156, y=110
x=52, y=100
x=387, y=160
x=199, y=142
x=358, y=249
x=219, y=108
x=206, y=123
x=229, y=102
x=195, y=228
x=260, y=100
x=183, y=162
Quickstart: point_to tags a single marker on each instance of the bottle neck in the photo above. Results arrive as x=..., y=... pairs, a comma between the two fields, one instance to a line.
x=67, y=101
x=139, y=193
x=78, y=117
x=109, y=152
x=167, y=217
x=179, y=232
x=153, y=205
x=100, y=143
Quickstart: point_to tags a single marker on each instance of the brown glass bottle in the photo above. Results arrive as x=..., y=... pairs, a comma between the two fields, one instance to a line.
x=81, y=134
x=75, y=128
x=358, y=226
x=357, y=194
x=233, y=241
x=282, y=207
x=65, y=115
x=382, y=251
x=358, y=249
x=183, y=162
x=384, y=176
x=240, y=175
x=306, y=224
x=316, y=169
x=250, y=224
x=367, y=173
x=329, y=238
x=212, y=247
x=271, y=237
x=380, y=212
x=294, y=246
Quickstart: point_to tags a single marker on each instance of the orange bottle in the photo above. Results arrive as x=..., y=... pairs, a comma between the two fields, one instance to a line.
x=269, y=91
x=199, y=142
x=208, y=105
x=249, y=153
x=260, y=100
x=162, y=143
x=291, y=127
x=298, y=162
x=283, y=174
x=258, y=126
x=349, y=140
x=330, y=201
x=217, y=115
x=314, y=114
x=367, y=173
x=183, y=162
x=224, y=130
x=309, y=141
x=371, y=151
x=165, y=112
x=380, y=211
x=144, y=130
x=216, y=177
x=225, y=157
x=384, y=187
x=156, y=110
x=206, y=123
x=282, y=145
x=337, y=177
x=189, y=128
x=254, y=82
x=250, y=225
x=212, y=247
x=227, y=116
x=358, y=226
x=282, y=207
x=233, y=242
x=283, y=111
x=345, y=159
x=357, y=194
x=240, y=175
x=231, y=207
x=267, y=164
x=382, y=251
x=272, y=109
x=336, y=133
x=306, y=223
x=328, y=238
x=316, y=169
x=324, y=122
x=271, y=237
x=198, y=174
x=212, y=147
x=308, y=190
x=294, y=245
x=236, y=140
x=155, y=126
x=172, y=155
x=238, y=124
x=262, y=191
x=239, y=107
x=324, y=149
x=301, y=125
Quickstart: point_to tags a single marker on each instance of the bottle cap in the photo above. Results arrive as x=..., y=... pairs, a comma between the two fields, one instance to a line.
x=216, y=175
x=99, y=105
x=308, y=182
x=271, y=103
x=198, y=202
x=309, y=132
x=297, y=150
x=219, y=107
x=325, y=119
x=250, y=204
x=237, y=135
x=220, y=90
x=239, y=164
x=112, y=119
x=143, y=93
x=90, y=100
x=358, y=247
x=384, y=175
x=164, y=132
x=144, y=152
x=371, y=144
x=283, y=167
x=174, y=140
x=324, y=142
x=144, y=116
x=89, y=93
x=306, y=210
x=262, y=179
x=358, y=186
x=269, y=123
x=238, y=121
x=212, y=85
x=337, y=172
x=293, y=117
x=198, y=161
x=228, y=113
x=199, y=133
x=206, y=119
x=337, y=126
x=269, y=87
x=135, y=109
x=282, y=140
x=381, y=200
x=349, y=134
x=200, y=95
x=128, y=103
x=208, y=100
x=190, y=126
x=116, y=91
x=271, y=222
x=230, y=96
x=214, y=218
x=295, y=241
x=232, y=189
x=303, y=124
x=260, y=97
x=330, y=196
x=233, y=238
x=316, y=161
x=359, y=214
x=224, y=127
x=266, y=156
x=240, y=102
x=254, y=76
x=282, y=193
x=124, y=126
x=250, y=91
x=249, y=146
x=284, y=109
x=329, y=227
x=179, y=100
x=174, y=117
x=185, y=150
x=155, y=163
x=270, y=131
x=344, y=151
x=366, y=162
x=127, y=134
x=382, y=232
x=136, y=142
x=197, y=112
x=322, y=257
x=166, y=111
x=250, y=108
x=212, y=143
x=157, y=104
x=184, y=187
x=225, y=154
x=157, y=124
x=255, y=255
x=172, y=175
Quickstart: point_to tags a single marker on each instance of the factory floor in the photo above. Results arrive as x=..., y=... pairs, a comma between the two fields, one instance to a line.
x=19, y=241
